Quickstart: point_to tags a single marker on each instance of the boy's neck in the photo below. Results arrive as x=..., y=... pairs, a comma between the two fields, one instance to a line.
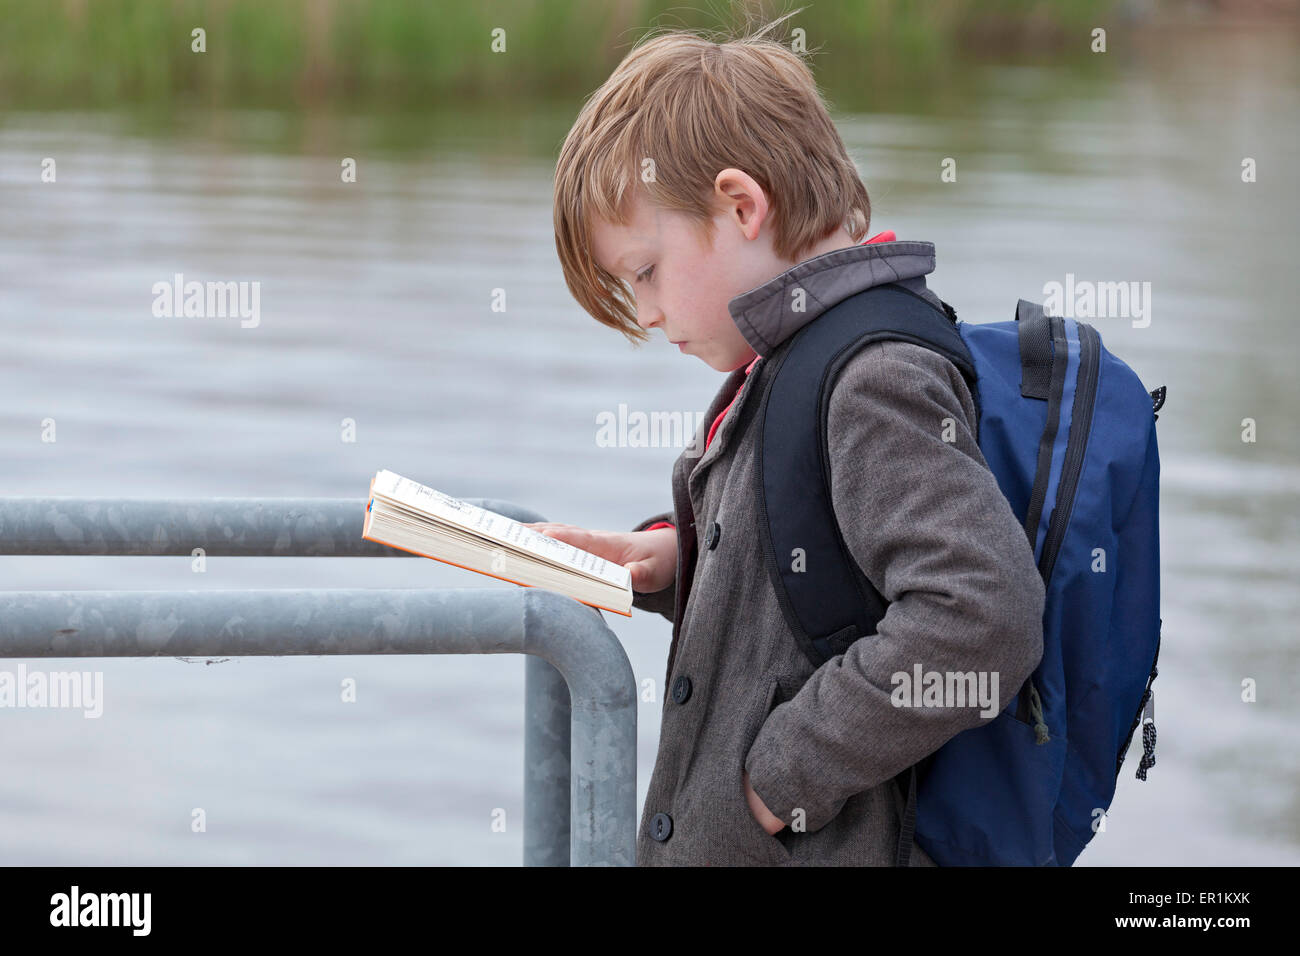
x=836, y=240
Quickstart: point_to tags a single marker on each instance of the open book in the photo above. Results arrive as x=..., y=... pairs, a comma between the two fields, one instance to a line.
x=404, y=514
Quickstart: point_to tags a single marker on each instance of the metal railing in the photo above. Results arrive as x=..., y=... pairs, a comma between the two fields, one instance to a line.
x=580, y=692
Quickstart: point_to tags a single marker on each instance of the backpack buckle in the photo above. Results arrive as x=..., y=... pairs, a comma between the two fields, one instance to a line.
x=840, y=641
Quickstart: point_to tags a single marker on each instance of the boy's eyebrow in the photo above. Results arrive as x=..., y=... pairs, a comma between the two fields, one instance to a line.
x=618, y=263
x=640, y=247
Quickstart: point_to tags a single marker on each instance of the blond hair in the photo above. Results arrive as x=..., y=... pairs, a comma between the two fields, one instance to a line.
x=687, y=107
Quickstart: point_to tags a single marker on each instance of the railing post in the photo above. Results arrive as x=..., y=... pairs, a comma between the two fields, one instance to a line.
x=547, y=719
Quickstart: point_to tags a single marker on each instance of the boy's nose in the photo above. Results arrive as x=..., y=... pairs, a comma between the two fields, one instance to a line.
x=649, y=318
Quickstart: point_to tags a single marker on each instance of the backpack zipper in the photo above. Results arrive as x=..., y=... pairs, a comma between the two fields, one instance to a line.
x=1080, y=419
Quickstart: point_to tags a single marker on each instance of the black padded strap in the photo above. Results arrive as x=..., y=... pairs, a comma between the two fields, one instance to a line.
x=826, y=600
x=1042, y=375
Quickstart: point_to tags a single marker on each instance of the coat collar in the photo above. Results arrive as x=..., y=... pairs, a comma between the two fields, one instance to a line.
x=775, y=310
x=766, y=316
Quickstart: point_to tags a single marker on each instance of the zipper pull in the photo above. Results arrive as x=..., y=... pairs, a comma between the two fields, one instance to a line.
x=1148, y=736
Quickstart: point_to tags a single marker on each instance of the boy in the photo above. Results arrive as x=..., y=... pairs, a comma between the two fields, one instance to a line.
x=710, y=179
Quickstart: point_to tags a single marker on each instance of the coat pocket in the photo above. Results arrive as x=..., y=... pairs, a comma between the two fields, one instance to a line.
x=778, y=691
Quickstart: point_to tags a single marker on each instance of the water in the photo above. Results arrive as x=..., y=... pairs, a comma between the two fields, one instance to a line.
x=376, y=307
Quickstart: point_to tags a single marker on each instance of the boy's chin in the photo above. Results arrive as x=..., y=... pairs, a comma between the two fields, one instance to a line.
x=724, y=363
x=732, y=364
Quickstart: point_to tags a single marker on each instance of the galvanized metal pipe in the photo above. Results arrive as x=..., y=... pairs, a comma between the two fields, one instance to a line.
x=229, y=527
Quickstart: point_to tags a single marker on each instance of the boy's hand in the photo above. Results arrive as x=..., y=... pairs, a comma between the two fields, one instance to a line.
x=651, y=556
x=769, y=820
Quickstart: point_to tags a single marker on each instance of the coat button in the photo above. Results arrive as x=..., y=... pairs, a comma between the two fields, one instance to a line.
x=661, y=826
x=715, y=532
x=682, y=689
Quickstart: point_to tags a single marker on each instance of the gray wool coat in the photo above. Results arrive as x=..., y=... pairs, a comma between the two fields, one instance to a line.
x=925, y=521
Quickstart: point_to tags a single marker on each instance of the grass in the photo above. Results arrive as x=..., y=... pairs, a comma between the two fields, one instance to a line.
x=423, y=54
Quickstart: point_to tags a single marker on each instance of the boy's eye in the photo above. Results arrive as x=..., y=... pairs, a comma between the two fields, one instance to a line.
x=645, y=274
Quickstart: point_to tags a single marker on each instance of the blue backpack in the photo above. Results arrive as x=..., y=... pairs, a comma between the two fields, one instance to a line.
x=1069, y=432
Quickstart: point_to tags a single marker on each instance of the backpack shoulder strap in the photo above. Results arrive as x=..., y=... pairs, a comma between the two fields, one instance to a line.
x=826, y=600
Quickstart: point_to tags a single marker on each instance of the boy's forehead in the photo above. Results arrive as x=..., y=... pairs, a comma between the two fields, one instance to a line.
x=613, y=243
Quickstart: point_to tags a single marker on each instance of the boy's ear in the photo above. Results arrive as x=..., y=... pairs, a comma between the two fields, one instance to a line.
x=740, y=196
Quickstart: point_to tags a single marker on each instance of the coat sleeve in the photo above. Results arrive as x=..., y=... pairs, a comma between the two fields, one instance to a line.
x=658, y=602
x=924, y=518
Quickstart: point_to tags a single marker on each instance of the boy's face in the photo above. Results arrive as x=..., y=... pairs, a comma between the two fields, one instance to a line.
x=682, y=283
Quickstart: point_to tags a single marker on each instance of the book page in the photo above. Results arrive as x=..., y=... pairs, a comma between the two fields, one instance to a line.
x=496, y=527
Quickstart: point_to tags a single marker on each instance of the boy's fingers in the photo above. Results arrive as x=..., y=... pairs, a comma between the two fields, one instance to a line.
x=640, y=571
x=542, y=527
x=577, y=537
x=596, y=542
